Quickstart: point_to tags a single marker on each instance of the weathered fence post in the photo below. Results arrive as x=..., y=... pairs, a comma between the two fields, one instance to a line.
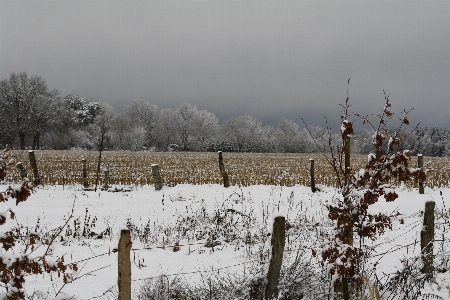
x=278, y=242
x=34, y=166
x=85, y=181
x=21, y=168
x=311, y=172
x=347, y=157
x=106, y=179
x=124, y=263
x=156, y=177
x=420, y=165
x=226, y=182
x=427, y=237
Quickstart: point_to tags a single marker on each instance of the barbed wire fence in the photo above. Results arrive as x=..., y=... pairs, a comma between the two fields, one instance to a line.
x=136, y=287
x=139, y=284
x=403, y=243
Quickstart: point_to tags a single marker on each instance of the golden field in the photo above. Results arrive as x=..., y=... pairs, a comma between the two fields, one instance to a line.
x=125, y=168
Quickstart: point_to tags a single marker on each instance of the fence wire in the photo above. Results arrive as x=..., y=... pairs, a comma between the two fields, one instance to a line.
x=138, y=285
x=400, y=239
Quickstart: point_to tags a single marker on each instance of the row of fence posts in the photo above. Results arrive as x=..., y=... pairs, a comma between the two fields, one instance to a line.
x=226, y=182
x=23, y=174
x=157, y=175
x=157, y=181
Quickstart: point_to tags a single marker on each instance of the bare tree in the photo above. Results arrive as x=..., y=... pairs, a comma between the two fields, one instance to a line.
x=43, y=118
x=102, y=125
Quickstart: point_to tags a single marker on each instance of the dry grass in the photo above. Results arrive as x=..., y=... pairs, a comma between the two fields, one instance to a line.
x=65, y=167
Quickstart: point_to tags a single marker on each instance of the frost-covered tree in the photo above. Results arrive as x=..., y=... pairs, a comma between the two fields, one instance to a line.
x=71, y=126
x=427, y=141
x=244, y=132
x=269, y=139
x=165, y=129
x=288, y=136
x=206, y=127
x=433, y=141
x=194, y=128
x=317, y=139
x=25, y=106
x=362, y=142
x=183, y=117
x=143, y=117
x=80, y=111
x=121, y=127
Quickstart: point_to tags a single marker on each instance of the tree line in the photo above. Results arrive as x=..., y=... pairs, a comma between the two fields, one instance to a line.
x=35, y=117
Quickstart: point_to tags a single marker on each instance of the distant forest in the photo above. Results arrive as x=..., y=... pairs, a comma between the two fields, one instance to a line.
x=34, y=117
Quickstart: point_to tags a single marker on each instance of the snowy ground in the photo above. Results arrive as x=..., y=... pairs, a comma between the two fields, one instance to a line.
x=154, y=214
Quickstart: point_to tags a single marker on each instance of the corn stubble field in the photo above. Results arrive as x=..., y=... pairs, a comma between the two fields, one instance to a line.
x=244, y=169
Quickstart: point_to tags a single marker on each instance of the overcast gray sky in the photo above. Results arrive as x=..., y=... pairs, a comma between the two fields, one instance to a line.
x=268, y=59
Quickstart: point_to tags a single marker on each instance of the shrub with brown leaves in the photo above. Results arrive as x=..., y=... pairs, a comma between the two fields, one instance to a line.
x=357, y=191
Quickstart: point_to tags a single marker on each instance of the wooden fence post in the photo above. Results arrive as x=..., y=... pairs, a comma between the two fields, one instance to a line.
x=420, y=165
x=311, y=172
x=21, y=168
x=124, y=263
x=34, y=166
x=85, y=181
x=427, y=237
x=106, y=179
x=278, y=242
x=156, y=177
x=347, y=158
x=226, y=181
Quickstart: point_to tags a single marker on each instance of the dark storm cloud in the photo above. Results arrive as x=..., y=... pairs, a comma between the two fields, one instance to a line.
x=268, y=59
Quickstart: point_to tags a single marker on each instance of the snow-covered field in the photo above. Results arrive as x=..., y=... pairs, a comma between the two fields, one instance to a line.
x=239, y=217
